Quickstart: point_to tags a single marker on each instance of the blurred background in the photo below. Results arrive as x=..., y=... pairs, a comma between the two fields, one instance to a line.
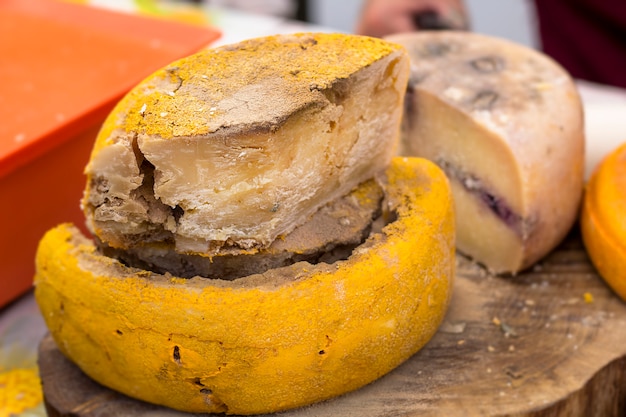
x=511, y=19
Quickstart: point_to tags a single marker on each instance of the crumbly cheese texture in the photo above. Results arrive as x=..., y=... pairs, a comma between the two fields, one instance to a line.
x=262, y=343
x=506, y=124
x=328, y=235
x=235, y=146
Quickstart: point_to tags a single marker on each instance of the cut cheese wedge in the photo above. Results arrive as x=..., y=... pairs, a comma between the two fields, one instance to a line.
x=235, y=146
x=505, y=123
x=262, y=343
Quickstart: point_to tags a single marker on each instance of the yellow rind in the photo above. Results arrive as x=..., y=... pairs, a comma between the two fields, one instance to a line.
x=335, y=56
x=602, y=220
x=247, y=347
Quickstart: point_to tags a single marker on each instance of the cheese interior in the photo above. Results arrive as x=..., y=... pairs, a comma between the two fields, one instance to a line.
x=259, y=180
x=328, y=236
x=238, y=146
x=485, y=179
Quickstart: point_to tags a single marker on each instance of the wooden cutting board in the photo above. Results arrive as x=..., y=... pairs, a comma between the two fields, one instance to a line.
x=549, y=342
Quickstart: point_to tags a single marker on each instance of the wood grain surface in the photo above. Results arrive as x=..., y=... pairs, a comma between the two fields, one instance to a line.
x=548, y=342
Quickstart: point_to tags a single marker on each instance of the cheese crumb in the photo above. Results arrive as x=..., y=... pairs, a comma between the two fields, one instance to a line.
x=21, y=390
x=454, y=93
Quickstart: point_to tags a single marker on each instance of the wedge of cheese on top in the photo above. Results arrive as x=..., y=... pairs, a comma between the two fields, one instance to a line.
x=235, y=146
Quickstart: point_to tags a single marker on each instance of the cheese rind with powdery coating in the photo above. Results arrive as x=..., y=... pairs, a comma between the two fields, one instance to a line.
x=506, y=124
x=267, y=342
x=235, y=146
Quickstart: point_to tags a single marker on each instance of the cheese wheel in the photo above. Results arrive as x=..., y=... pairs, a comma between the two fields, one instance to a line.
x=235, y=146
x=265, y=342
x=506, y=124
x=603, y=219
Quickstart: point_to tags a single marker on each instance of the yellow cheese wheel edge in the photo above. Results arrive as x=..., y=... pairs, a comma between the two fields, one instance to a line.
x=201, y=347
x=603, y=223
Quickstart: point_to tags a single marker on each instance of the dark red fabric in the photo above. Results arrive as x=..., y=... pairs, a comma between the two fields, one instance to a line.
x=587, y=37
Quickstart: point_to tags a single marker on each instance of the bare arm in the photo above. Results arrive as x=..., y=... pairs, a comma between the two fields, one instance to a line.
x=384, y=17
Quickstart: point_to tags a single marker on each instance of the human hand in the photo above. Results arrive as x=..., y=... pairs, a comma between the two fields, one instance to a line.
x=384, y=17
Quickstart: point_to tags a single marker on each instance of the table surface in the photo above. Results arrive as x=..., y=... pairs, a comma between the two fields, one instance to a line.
x=21, y=325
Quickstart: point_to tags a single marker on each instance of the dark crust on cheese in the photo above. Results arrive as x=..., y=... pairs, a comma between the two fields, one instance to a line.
x=241, y=93
x=328, y=236
x=489, y=199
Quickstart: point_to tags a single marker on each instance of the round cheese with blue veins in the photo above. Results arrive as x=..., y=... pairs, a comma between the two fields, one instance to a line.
x=505, y=122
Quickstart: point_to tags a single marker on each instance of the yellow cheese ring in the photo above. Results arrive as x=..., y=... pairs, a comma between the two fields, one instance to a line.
x=253, y=345
x=603, y=219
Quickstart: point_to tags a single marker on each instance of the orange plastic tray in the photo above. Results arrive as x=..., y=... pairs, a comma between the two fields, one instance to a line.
x=62, y=69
